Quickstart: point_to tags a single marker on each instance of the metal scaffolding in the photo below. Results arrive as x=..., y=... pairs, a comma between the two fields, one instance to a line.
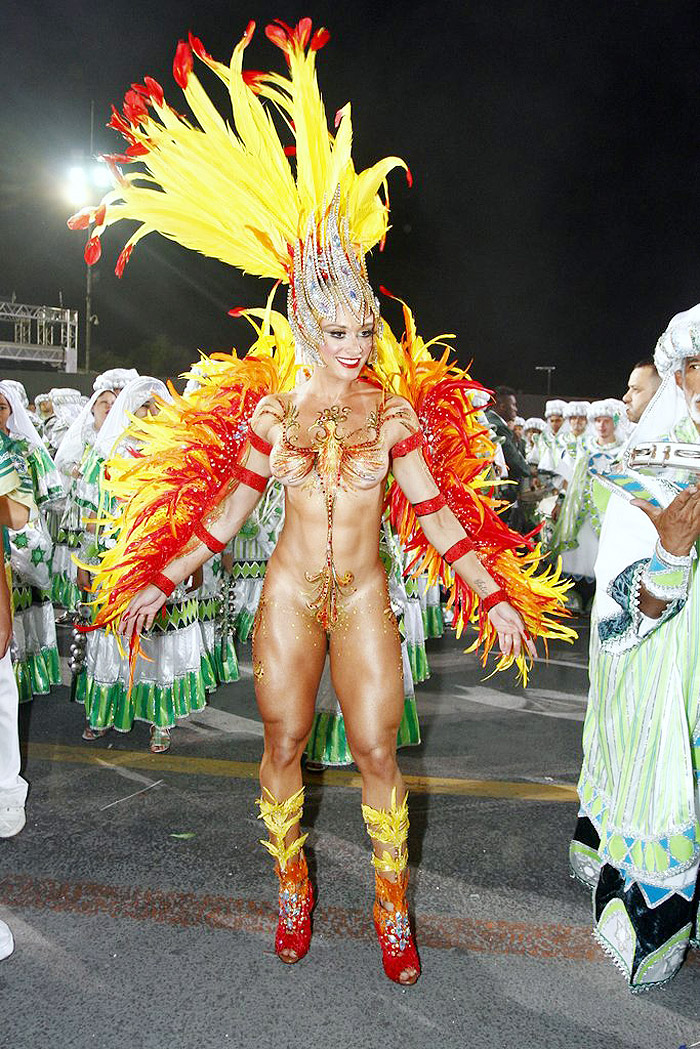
x=48, y=334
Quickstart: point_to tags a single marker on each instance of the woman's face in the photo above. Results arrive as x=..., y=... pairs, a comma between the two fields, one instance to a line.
x=100, y=409
x=5, y=413
x=347, y=343
x=604, y=428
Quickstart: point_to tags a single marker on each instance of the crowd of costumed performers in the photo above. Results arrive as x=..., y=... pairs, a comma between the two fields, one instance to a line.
x=364, y=434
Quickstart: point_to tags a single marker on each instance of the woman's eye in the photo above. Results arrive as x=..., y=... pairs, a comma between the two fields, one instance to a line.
x=367, y=334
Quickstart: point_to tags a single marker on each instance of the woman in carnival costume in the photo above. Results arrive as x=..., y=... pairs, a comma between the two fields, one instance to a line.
x=70, y=458
x=637, y=841
x=294, y=210
x=36, y=660
x=169, y=683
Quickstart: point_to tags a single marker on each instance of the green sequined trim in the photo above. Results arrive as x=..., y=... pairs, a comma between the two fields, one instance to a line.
x=418, y=658
x=328, y=743
x=37, y=672
x=109, y=706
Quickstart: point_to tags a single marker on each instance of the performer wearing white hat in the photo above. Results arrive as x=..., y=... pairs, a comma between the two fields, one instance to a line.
x=70, y=457
x=169, y=683
x=577, y=528
x=637, y=842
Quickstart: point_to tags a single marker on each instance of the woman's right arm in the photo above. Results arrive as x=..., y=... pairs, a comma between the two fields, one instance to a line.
x=220, y=526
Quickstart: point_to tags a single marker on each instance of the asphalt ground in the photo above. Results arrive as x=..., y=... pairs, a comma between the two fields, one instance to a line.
x=143, y=907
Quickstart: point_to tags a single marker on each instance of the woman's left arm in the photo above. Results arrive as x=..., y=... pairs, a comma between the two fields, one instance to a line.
x=446, y=534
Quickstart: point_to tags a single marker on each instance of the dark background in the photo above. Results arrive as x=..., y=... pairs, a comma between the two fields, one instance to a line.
x=555, y=215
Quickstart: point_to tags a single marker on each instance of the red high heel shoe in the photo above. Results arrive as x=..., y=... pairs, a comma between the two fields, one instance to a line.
x=389, y=827
x=296, y=901
x=296, y=897
x=393, y=930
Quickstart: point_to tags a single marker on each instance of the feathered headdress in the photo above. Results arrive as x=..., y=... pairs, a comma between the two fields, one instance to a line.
x=299, y=214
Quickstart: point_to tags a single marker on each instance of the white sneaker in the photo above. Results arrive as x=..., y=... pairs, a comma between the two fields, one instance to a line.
x=7, y=944
x=12, y=819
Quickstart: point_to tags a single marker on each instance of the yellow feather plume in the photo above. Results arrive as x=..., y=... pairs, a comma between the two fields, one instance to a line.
x=232, y=190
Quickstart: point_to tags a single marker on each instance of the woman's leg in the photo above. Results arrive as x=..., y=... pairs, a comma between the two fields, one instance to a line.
x=288, y=656
x=289, y=651
x=367, y=672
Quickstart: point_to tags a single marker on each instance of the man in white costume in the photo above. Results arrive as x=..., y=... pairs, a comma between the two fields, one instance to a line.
x=637, y=841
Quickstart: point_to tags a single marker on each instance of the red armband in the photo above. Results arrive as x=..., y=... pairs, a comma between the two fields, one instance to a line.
x=209, y=540
x=251, y=478
x=495, y=598
x=409, y=444
x=430, y=506
x=163, y=583
x=259, y=443
x=457, y=550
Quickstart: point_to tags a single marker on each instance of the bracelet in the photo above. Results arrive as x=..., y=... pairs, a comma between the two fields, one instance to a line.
x=495, y=598
x=209, y=540
x=457, y=550
x=666, y=577
x=250, y=478
x=676, y=560
x=430, y=506
x=259, y=443
x=163, y=583
x=408, y=444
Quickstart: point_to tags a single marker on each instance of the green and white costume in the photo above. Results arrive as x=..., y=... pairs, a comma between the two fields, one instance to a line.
x=70, y=459
x=577, y=531
x=169, y=684
x=637, y=841
x=414, y=627
x=220, y=666
x=35, y=650
x=431, y=607
x=251, y=549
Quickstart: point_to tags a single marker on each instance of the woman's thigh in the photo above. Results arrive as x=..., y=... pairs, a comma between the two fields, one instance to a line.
x=367, y=668
x=289, y=652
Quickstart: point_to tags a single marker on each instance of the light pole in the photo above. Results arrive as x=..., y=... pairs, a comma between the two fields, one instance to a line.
x=86, y=178
x=549, y=368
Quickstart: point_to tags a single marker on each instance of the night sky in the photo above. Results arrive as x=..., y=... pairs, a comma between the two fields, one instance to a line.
x=555, y=212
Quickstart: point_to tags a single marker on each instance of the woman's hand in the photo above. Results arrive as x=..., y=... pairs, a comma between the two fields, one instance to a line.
x=512, y=636
x=142, y=611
